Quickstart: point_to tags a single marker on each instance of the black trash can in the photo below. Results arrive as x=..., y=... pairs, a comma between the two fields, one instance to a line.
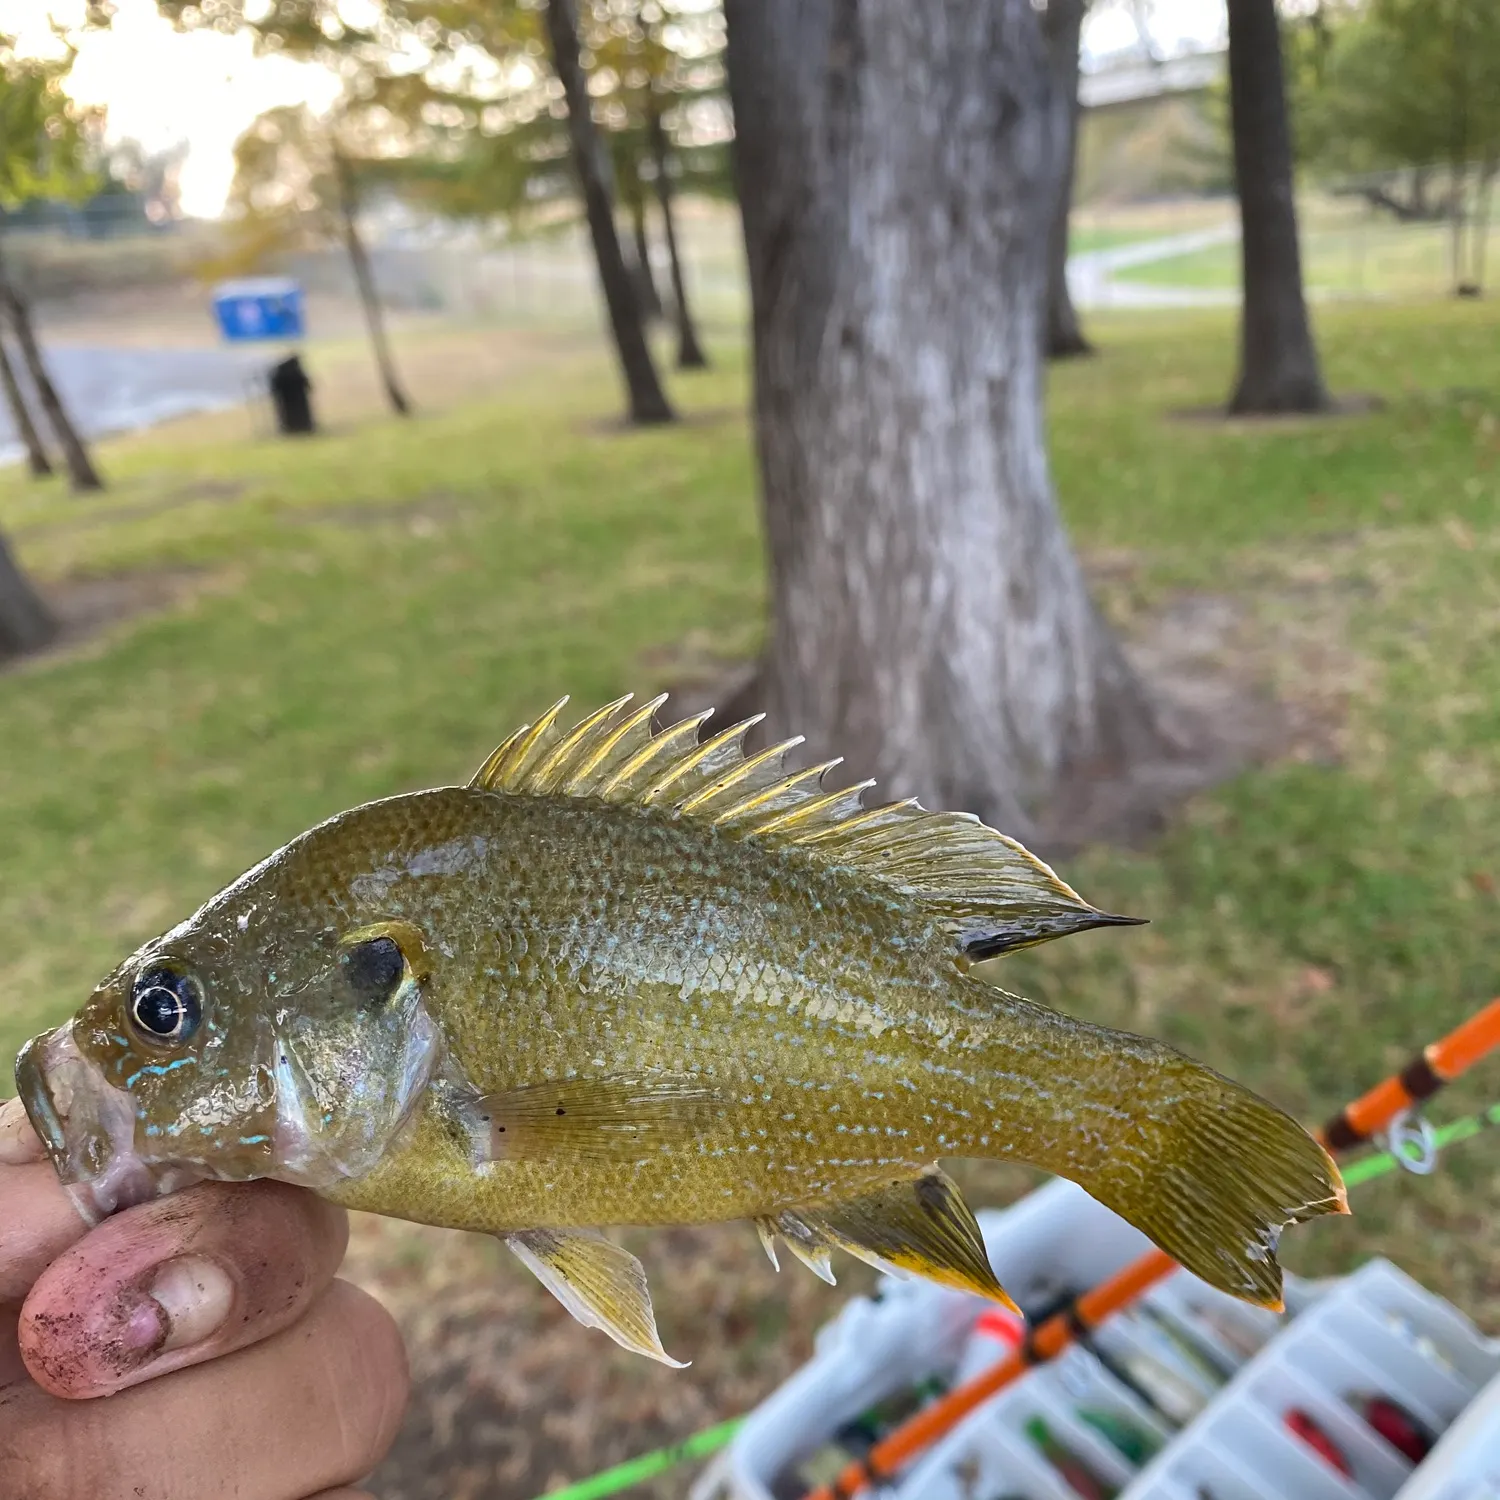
x=291, y=396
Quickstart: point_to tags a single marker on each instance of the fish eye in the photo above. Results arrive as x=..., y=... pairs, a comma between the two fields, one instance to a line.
x=373, y=969
x=165, y=1005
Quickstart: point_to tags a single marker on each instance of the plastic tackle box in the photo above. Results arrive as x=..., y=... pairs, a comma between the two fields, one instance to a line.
x=1224, y=1414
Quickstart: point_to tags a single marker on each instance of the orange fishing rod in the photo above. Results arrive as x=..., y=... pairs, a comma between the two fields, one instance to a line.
x=1420, y=1079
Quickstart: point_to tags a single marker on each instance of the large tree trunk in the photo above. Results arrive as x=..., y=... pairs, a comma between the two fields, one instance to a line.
x=1062, y=24
x=648, y=402
x=897, y=173
x=20, y=413
x=13, y=310
x=690, y=355
x=364, y=281
x=1278, y=362
x=25, y=623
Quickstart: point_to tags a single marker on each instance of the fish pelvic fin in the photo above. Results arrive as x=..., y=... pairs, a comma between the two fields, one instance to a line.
x=602, y=1284
x=1209, y=1171
x=917, y=1226
x=984, y=888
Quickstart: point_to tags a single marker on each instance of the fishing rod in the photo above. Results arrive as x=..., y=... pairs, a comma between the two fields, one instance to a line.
x=634, y=1471
x=1387, y=1106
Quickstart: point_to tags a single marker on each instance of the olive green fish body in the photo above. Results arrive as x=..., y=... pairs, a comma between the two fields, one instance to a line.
x=637, y=978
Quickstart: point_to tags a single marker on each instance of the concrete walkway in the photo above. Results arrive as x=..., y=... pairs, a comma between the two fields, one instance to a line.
x=1093, y=275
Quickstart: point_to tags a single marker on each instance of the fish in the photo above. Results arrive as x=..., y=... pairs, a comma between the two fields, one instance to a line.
x=631, y=974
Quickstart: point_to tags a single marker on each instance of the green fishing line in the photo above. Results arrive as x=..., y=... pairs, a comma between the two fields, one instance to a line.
x=710, y=1440
x=638, y=1470
x=1371, y=1167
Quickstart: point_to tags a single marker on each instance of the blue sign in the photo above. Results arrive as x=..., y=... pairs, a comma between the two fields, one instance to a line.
x=261, y=307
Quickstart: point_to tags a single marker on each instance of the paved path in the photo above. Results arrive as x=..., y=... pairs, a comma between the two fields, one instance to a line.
x=1092, y=274
x=116, y=390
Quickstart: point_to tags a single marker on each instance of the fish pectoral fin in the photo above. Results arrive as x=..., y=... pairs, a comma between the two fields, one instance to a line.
x=614, y=1118
x=599, y=1282
x=919, y=1225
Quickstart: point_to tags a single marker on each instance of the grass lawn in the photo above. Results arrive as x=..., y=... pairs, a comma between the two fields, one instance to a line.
x=1342, y=255
x=373, y=610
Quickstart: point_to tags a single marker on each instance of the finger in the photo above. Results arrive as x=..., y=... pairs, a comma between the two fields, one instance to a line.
x=314, y=1407
x=171, y=1283
x=342, y=1495
x=19, y=1143
x=37, y=1218
x=11, y=1368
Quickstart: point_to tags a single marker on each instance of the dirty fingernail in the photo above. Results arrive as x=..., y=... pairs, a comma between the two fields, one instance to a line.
x=194, y=1294
x=18, y=1141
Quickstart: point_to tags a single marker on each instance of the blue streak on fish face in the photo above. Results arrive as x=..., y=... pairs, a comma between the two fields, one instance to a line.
x=290, y=1071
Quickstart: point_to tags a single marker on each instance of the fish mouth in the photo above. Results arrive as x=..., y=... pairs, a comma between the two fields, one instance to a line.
x=88, y=1128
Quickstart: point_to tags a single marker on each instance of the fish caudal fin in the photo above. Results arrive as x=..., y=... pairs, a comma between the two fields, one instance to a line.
x=601, y=1284
x=1208, y=1170
x=1233, y=1171
x=919, y=1226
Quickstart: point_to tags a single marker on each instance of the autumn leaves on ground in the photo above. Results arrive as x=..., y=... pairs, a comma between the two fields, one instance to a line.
x=371, y=610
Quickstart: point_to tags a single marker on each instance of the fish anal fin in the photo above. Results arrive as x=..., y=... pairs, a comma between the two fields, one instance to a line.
x=920, y=1225
x=602, y=1284
x=976, y=884
x=614, y=1118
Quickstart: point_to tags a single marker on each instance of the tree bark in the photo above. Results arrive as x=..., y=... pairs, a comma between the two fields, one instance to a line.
x=15, y=400
x=364, y=281
x=1062, y=24
x=25, y=622
x=690, y=355
x=1278, y=362
x=82, y=474
x=648, y=402
x=650, y=298
x=897, y=174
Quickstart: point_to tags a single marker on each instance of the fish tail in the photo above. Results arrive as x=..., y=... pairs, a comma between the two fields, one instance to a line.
x=1209, y=1171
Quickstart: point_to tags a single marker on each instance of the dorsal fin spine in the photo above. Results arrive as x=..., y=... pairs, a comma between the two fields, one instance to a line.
x=763, y=795
x=974, y=883
x=696, y=757
x=655, y=746
x=630, y=723
x=556, y=758
x=739, y=775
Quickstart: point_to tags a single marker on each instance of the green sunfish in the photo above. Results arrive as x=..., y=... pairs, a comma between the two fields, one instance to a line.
x=637, y=976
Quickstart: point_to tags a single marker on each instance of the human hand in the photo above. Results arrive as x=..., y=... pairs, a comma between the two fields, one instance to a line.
x=243, y=1368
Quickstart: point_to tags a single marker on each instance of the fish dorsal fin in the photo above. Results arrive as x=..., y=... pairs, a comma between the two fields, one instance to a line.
x=985, y=888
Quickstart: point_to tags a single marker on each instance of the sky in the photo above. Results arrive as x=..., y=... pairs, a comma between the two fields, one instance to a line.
x=161, y=87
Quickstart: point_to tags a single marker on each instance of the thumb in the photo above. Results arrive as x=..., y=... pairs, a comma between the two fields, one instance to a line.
x=37, y=1218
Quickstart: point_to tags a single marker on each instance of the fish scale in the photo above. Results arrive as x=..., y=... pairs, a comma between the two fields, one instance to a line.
x=631, y=976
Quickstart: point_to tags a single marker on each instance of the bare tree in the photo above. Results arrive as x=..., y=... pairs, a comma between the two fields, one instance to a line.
x=898, y=169
x=650, y=298
x=20, y=414
x=1062, y=23
x=1278, y=361
x=13, y=310
x=690, y=355
x=26, y=624
x=648, y=402
x=364, y=281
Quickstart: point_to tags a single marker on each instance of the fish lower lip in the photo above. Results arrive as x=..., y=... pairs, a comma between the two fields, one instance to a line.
x=88, y=1128
x=36, y=1097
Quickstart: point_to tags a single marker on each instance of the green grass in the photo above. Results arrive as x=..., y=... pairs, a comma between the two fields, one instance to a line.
x=1348, y=258
x=382, y=604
